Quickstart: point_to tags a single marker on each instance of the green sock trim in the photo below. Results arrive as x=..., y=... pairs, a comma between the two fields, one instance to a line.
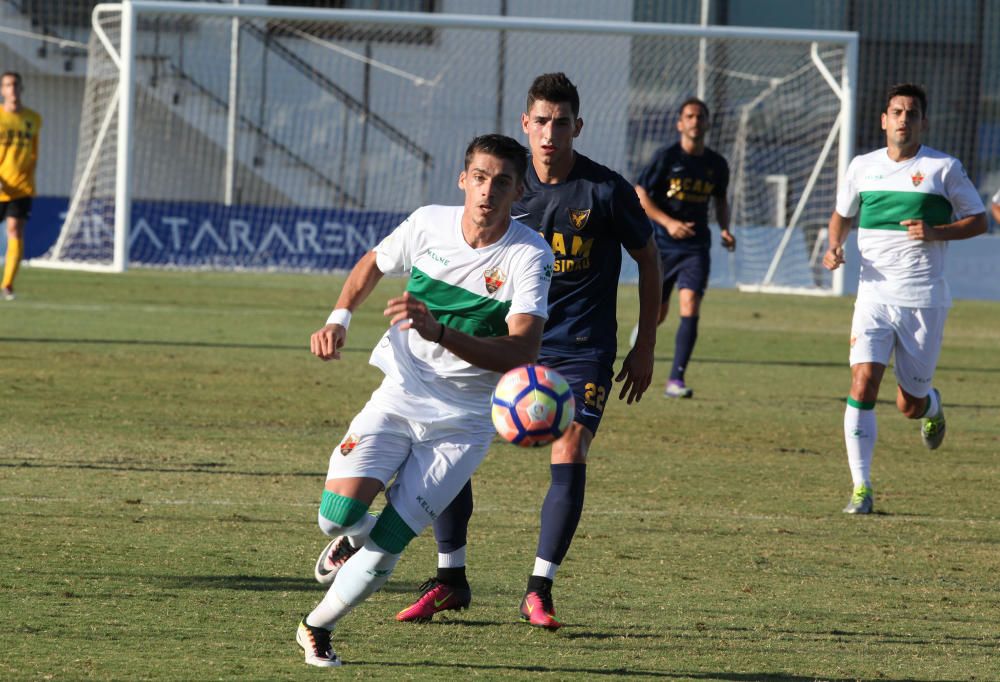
x=927, y=407
x=860, y=405
x=391, y=532
x=343, y=511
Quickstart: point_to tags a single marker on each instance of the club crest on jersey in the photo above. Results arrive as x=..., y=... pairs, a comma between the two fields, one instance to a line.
x=349, y=443
x=578, y=217
x=494, y=278
x=917, y=178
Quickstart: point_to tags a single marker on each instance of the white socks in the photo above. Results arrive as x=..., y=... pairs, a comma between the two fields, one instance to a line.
x=545, y=569
x=454, y=559
x=358, y=533
x=363, y=575
x=860, y=431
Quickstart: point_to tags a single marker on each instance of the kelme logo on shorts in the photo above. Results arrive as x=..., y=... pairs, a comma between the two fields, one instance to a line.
x=349, y=443
x=578, y=217
x=494, y=278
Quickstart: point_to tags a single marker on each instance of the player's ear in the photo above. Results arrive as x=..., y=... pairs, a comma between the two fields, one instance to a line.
x=884, y=120
x=578, y=127
x=519, y=190
x=524, y=122
x=461, y=181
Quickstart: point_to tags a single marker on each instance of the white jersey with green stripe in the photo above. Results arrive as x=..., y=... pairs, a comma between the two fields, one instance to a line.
x=932, y=187
x=471, y=290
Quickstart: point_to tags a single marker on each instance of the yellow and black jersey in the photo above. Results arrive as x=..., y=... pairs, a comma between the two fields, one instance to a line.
x=18, y=153
x=681, y=185
x=586, y=219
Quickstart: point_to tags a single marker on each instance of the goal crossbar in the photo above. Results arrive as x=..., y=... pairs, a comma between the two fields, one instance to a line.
x=123, y=56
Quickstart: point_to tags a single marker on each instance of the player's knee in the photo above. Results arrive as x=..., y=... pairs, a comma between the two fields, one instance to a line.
x=864, y=386
x=338, y=514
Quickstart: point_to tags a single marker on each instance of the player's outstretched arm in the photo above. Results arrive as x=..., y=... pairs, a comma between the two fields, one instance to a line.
x=327, y=342
x=637, y=369
x=837, y=230
x=495, y=353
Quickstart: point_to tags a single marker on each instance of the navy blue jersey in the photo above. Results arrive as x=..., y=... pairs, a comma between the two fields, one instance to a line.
x=586, y=219
x=681, y=185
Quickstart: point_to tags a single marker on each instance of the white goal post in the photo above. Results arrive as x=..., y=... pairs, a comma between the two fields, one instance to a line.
x=248, y=136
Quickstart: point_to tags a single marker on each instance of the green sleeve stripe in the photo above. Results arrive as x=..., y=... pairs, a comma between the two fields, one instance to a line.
x=860, y=405
x=390, y=531
x=885, y=210
x=343, y=511
x=458, y=308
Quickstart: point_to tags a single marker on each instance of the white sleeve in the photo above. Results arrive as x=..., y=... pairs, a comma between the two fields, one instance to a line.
x=962, y=194
x=394, y=254
x=996, y=197
x=531, y=296
x=848, y=197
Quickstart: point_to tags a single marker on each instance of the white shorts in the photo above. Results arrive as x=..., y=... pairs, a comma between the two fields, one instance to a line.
x=431, y=456
x=914, y=334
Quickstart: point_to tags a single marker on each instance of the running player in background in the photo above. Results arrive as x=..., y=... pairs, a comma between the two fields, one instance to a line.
x=909, y=201
x=674, y=190
x=19, y=127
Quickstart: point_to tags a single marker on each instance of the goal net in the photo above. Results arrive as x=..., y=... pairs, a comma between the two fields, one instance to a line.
x=263, y=137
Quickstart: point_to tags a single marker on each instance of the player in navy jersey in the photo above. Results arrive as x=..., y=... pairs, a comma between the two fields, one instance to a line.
x=675, y=189
x=587, y=213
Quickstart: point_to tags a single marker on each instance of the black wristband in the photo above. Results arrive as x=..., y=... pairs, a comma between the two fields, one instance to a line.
x=441, y=335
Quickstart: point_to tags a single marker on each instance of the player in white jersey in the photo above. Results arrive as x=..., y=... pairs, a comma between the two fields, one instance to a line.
x=474, y=307
x=909, y=201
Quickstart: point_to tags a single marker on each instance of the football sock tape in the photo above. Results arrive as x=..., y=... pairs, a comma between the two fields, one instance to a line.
x=341, y=510
x=390, y=532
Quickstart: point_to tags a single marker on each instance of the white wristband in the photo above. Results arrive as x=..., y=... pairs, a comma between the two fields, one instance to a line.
x=341, y=316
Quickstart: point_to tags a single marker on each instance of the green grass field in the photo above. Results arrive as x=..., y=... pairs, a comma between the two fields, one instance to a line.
x=164, y=441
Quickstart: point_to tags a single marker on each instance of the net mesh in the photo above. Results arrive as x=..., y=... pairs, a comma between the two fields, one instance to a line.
x=341, y=129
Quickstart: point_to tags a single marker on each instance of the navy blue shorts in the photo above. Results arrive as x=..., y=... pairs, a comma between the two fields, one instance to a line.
x=16, y=208
x=685, y=270
x=591, y=384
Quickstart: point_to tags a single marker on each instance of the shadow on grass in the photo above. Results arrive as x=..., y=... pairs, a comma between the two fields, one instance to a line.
x=635, y=673
x=248, y=583
x=206, y=468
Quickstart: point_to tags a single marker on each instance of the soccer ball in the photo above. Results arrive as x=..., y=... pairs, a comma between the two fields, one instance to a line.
x=532, y=405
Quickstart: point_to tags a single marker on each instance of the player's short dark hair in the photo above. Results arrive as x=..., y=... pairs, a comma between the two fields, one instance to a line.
x=15, y=74
x=502, y=147
x=908, y=90
x=554, y=87
x=693, y=100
